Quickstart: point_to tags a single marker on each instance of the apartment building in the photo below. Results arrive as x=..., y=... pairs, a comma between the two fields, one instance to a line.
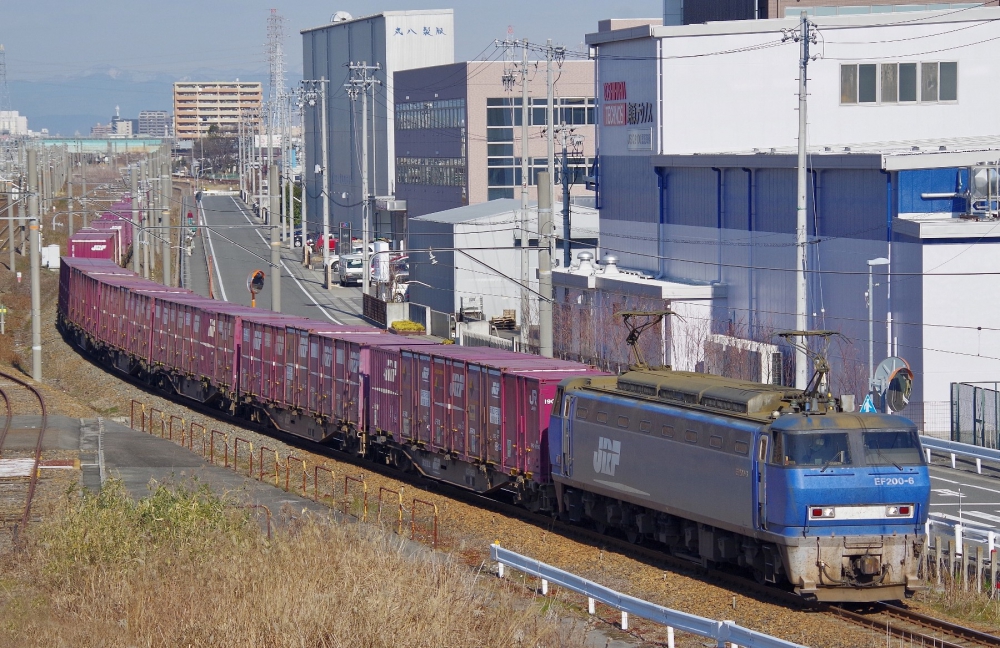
x=199, y=105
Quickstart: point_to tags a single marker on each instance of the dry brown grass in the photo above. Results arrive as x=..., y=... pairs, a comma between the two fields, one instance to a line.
x=185, y=568
x=979, y=609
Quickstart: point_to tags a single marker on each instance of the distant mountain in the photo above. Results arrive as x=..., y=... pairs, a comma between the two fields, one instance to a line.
x=68, y=105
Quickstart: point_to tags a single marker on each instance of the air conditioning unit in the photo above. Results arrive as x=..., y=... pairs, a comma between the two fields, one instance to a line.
x=735, y=357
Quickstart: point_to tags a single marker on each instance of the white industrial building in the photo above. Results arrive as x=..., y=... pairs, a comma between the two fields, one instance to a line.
x=12, y=123
x=393, y=41
x=471, y=256
x=696, y=186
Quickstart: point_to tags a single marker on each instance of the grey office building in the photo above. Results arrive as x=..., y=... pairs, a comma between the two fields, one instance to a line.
x=393, y=40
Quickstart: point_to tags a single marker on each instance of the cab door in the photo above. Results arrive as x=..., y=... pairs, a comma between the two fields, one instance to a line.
x=763, y=447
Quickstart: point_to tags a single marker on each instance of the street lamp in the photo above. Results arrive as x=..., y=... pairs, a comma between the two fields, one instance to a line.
x=880, y=261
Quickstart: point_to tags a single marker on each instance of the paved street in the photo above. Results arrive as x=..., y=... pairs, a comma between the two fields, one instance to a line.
x=975, y=499
x=236, y=246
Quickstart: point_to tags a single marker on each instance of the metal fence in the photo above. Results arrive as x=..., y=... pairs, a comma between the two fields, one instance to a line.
x=975, y=414
x=492, y=341
x=721, y=632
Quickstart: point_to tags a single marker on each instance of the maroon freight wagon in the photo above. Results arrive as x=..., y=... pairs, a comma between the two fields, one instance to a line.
x=89, y=243
x=340, y=363
x=477, y=405
x=115, y=222
x=265, y=362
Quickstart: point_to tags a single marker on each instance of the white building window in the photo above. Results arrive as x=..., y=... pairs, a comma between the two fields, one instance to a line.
x=896, y=83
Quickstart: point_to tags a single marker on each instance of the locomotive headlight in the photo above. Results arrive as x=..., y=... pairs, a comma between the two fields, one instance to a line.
x=821, y=512
x=899, y=510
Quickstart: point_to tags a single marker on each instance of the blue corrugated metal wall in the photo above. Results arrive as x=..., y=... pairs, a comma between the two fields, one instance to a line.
x=914, y=183
x=634, y=195
x=852, y=203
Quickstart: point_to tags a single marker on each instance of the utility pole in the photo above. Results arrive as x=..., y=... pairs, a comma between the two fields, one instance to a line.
x=545, y=264
x=144, y=233
x=35, y=262
x=361, y=81
x=550, y=121
x=567, y=135
x=302, y=179
x=69, y=200
x=274, y=208
x=133, y=181
x=525, y=224
x=165, y=198
x=83, y=189
x=804, y=37
x=309, y=97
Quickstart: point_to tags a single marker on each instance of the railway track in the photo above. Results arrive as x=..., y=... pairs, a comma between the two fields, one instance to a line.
x=885, y=619
x=19, y=469
x=913, y=627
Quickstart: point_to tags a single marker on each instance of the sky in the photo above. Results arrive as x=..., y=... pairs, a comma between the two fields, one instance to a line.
x=70, y=62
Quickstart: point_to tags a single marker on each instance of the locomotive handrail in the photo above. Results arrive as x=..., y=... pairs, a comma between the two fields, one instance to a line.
x=722, y=632
x=954, y=448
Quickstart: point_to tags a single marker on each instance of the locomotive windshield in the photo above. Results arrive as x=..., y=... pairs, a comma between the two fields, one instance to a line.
x=892, y=447
x=812, y=449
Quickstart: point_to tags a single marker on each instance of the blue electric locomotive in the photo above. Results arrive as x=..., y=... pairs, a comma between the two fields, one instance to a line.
x=781, y=482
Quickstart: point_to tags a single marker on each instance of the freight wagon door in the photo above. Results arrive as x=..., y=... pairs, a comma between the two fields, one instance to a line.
x=533, y=413
x=297, y=357
x=326, y=377
x=279, y=375
x=340, y=386
x=494, y=416
x=407, y=406
x=189, y=360
x=457, y=407
x=253, y=370
x=267, y=370
x=352, y=410
x=513, y=424
x=475, y=407
x=439, y=412
x=423, y=417
x=316, y=360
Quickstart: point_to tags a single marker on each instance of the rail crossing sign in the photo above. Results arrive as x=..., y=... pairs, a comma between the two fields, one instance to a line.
x=868, y=407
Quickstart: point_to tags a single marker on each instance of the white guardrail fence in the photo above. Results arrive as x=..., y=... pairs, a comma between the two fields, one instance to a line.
x=955, y=449
x=724, y=633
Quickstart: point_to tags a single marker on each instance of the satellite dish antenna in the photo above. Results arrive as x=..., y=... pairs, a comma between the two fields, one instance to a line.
x=341, y=16
x=894, y=381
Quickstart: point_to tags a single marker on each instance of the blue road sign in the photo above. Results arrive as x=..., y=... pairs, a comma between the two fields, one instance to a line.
x=868, y=407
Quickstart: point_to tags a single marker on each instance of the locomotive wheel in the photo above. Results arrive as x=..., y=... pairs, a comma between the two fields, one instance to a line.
x=633, y=536
x=600, y=527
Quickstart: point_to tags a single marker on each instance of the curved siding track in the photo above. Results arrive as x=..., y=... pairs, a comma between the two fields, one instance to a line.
x=19, y=466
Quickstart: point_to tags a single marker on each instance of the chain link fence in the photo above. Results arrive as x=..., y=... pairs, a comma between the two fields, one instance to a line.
x=975, y=414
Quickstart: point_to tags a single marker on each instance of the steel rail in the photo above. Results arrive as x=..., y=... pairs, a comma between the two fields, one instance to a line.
x=33, y=479
x=7, y=421
x=691, y=565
